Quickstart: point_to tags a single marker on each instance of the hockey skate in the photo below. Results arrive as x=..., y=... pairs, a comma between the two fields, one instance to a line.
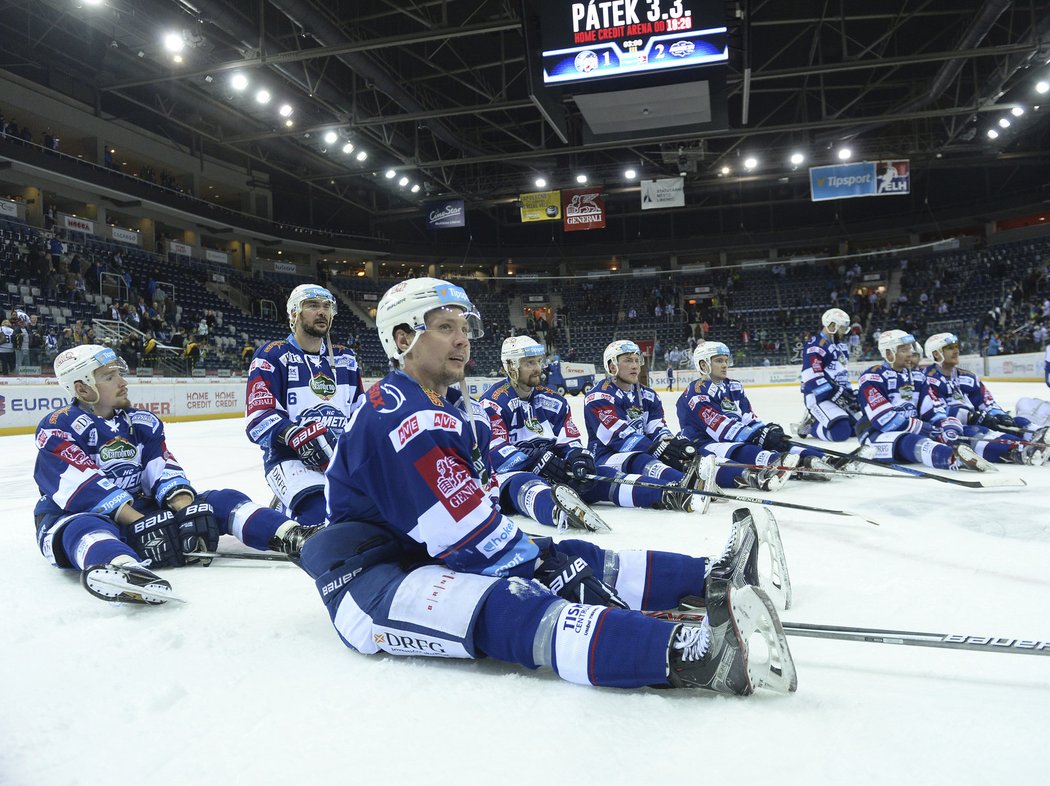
x=819, y=469
x=291, y=537
x=847, y=465
x=738, y=648
x=1033, y=455
x=127, y=583
x=964, y=457
x=804, y=427
x=770, y=478
x=573, y=513
x=700, y=476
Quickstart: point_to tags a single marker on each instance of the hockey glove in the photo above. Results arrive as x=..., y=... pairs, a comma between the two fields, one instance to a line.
x=198, y=530
x=991, y=420
x=314, y=443
x=580, y=463
x=951, y=431
x=676, y=452
x=572, y=578
x=552, y=468
x=847, y=399
x=771, y=437
x=155, y=538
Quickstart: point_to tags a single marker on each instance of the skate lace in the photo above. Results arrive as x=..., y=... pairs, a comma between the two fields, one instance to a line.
x=693, y=641
x=727, y=550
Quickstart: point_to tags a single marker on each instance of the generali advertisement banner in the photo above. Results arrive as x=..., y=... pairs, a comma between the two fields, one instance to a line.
x=126, y=236
x=78, y=224
x=582, y=209
x=23, y=402
x=180, y=249
x=540, y=206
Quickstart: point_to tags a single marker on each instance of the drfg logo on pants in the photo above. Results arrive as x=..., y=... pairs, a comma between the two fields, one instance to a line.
x=407, y=644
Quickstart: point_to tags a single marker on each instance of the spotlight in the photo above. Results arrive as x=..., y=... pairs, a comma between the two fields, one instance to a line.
x=330, y=137
x=348, y=148
x=797, y=158
x=845, y=154
x=289, y=122
x=238, y=82
x=750, y=162
x=993, y=134
x=285, y=110
x=726, y=170
x=390, y=173
x=403, y=181
x=177, y=58
x=173, y=42
x=541, y=182
x=581, y=178
x=415, y=188
x=1017, y=111
x=263, y=96
x=361, y=155
x=1042, y=87
x=1004, y=123
x=630, y=174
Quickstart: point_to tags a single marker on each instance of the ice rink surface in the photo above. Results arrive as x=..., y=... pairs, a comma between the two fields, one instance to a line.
x=247, y=683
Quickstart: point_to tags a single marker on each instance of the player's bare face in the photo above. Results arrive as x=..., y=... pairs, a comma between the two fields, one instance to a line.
x=950, y=353
x=112, y=391
x=440, y=356
x=530, y=372
x=902, y=357
x=315, y=317
x=719, y=368
x=628, y=367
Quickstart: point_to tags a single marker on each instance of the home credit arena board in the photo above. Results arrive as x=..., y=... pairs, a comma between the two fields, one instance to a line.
x=583, y=41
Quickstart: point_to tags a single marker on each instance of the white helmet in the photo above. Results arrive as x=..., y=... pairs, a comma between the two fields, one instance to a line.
x=409, y=302
x=937, y=342
x=836, y=317
x=617, y=348
x=517, y=348
x=78, y=364
x=308, y=292
x=706, y=350
x=891, y=339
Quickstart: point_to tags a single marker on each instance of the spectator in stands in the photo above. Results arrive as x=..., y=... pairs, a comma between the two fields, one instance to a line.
x=35, y=329
x=20, y=337
x=994, y=345
x=51, y=346
x=7, y=348
x=55, y=246
x=66, y=340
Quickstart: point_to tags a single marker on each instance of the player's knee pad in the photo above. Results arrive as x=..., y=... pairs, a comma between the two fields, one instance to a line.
x=58, y=537
x=840, y=430
x=516, y=622
x=310, y=509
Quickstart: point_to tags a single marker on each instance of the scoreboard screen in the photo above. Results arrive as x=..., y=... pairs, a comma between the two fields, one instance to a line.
x=584, y=41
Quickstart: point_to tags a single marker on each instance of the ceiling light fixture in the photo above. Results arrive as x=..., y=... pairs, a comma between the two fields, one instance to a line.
x=285, y=110
x=845, y=154
x=581, y=178
x=173, y=42
x=797, y=159
x=238, y=82
x=330, y=137
x=750, y=162
x=263, y=96
x=541, y=182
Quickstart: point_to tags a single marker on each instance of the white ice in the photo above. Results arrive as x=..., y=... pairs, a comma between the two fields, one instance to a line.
x=247, y=683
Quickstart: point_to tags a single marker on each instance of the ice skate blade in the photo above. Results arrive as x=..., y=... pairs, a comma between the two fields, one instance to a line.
x=579, y=515
x=110, y=585
x=753, y=614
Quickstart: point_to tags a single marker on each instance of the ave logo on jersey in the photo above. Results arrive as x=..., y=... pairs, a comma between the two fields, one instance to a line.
x=117, y=449
x=323, y=386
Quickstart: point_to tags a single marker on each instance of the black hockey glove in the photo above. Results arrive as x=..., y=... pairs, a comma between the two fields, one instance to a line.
x=990, y=421
x=676, y=452
x=572, y=578
x=771, y=437
x=581, y=464
x=198, y=530
x=155, y=538
x=847, y=399
x=552, y=467
x=314, y=443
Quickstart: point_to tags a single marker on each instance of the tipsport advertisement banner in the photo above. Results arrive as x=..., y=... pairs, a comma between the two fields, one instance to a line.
x=446, y=214
x=540, y=206
x=862, y=179
x=892, y=177
x=582, y=209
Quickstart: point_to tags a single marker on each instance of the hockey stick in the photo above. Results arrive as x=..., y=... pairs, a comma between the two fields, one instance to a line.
x=999, y=441
x=833, y=472
x=733, y=497
x=261, y=557
x=982, y=483
x=950, y=641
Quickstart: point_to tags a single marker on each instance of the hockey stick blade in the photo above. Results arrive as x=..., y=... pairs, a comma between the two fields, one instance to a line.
x=737, y=498
x=980, y=483
x=952, y=641
x=261, y=557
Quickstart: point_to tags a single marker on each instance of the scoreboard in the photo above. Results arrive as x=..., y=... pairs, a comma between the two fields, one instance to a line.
x=585, y=41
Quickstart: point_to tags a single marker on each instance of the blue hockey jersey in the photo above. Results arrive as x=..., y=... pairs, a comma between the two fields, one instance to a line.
x=87, y=464
x=716, y=412
x=541, y=416
x=287, y=386
x=619, y=421
x=899, y=400
x=825, y=367
x=963, y=393
x=408, y=461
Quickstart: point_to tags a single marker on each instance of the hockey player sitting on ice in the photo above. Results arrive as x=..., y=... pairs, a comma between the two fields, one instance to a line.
x=115, y=503
x=628, y=436
x=969, y=401
x=535, y=442
x=1036, y=410
x=419, y=559
x=715, y=414
x=905, y=419
x=832, y=409
x=301, y=391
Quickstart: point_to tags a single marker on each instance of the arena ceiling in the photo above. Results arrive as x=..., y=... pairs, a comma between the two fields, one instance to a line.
x=438, y=91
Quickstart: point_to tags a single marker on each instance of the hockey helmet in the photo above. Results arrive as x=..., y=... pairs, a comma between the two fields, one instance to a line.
x=838, y=318
x=410, y=302
x=889, y=340
x=937, y=342
x=78, y=364
x=517, y=348
x=305, y=292
x=617, y=348
x=706, y=350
